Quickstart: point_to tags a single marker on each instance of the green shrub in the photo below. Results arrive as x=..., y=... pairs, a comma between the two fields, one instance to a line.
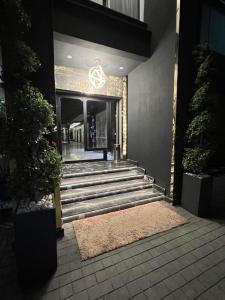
x=201, y=98
x=36, y=166
x=200, y=131
x=36, y=173
x=206, y=70
x=195, y=160
x=31, y=116
x=199, y=125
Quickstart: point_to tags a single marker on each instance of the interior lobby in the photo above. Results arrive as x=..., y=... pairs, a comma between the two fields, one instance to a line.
x=91, y=91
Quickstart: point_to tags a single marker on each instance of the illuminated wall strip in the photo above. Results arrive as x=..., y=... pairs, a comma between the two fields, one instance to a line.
x=175, y=99
x=124, y=118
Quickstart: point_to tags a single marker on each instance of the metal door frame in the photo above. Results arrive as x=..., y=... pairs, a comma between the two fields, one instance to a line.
x=60, y=94
x=108, y=121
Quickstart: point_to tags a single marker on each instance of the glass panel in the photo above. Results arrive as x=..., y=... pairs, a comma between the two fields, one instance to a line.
x=98, y=1
x=126, y=7
x=73, y=124
x=113, y=124
x=213, y=28
x=96, y=125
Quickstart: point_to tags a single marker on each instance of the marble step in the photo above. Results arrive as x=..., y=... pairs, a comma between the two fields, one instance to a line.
x=97, y=191
x=111, y=207
x=90, y=167
x=78, y=182
x=98, y=172
x=83, y=208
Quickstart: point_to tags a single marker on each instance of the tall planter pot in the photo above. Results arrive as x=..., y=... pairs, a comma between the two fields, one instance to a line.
x=196, y=194
x=217, y=205
x=35, y=245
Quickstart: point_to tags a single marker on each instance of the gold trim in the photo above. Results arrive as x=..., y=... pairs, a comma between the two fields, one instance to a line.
x=175, y=99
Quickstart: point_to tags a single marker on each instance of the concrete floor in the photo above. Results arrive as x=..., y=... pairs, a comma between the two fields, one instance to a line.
x=187, y=262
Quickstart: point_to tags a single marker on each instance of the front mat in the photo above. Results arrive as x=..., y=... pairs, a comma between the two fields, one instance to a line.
x=103, y=233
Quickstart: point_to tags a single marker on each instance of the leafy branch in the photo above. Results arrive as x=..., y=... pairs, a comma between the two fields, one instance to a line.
x=36, y=164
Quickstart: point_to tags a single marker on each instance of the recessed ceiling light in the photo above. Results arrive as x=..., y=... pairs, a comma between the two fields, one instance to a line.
x=69, y=56
x=121, y=68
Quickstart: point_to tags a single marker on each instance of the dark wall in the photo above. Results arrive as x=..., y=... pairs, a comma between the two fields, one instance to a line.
x=150, y=96
x=41, y=40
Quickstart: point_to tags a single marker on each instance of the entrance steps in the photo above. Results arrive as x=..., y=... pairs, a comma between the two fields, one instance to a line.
x=89, y=193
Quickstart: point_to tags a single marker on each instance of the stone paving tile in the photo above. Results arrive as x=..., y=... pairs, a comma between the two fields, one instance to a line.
x=186, y=262
x=66, y=291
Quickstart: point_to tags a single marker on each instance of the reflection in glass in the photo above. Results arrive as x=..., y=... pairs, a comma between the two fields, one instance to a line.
x=96, y=125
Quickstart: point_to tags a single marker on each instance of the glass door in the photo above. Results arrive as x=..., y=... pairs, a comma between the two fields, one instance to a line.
x=96, y=125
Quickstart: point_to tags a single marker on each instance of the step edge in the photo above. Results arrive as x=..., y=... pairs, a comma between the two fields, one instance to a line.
x=105, y=194
x=119, y=185
x=70, y=211
x=105, y=171
x=131, y=161
x=106, y=210
x=101, y=181
x=120, y=174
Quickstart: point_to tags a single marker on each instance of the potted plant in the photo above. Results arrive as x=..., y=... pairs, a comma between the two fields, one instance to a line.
x=203, y=137
x=197, y=185
x=35, y=166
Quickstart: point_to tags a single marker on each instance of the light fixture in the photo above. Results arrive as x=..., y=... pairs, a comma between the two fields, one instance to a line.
x=69, y=56
x=121, y=68
x=96, y=75
x=74, y=125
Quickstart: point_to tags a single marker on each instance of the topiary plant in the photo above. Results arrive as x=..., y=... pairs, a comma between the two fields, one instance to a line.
x=200, y=131
x=35, y=165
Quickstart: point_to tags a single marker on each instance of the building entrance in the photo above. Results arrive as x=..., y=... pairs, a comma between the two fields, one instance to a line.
x=88, y=128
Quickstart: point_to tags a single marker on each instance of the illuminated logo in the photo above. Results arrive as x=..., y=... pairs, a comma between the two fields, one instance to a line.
x=97, y=77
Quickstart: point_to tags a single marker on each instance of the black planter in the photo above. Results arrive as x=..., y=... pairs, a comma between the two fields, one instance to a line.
x=217, y=206
x=35, y=245
x=196, y=194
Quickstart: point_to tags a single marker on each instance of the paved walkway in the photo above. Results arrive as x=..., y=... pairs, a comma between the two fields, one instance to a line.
x=187, y=262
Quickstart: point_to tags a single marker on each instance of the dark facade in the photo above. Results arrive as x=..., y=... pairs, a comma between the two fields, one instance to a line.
x=150, y=94
x=150, y=103
x=41, y=40
x=98, y=24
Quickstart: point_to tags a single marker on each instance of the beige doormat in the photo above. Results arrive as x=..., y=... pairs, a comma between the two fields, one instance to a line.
x=103, y=233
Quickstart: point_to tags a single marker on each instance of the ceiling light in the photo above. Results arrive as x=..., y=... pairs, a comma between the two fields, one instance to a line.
x=69, y=56
x=121, y=68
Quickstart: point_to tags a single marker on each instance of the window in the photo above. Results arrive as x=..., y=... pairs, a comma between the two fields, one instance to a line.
x=98, y=1
x=127, y=7
x=213, y=28
x=131, y=8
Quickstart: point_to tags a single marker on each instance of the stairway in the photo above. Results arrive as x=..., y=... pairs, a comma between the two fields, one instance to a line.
x=98, y=188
